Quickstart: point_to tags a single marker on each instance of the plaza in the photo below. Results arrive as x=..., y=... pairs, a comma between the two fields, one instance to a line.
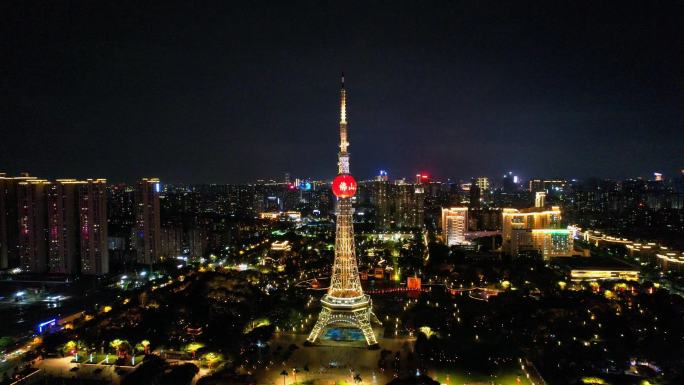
x=331, y=362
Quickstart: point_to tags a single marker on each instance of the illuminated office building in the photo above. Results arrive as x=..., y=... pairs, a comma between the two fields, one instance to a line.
x=535, y=230
x=32, y=220
x=93, y=227
x=540, y=199
x=483, y=183
x=454, y=225
x=484, y=219
x=596, y=269
x=147, y=221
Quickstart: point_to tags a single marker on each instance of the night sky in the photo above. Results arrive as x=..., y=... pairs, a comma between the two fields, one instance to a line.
x=223, y=92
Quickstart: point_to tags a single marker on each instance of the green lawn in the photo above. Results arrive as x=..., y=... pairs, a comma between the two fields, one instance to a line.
x=82, y=357
x=138, y=360
x=100, y=359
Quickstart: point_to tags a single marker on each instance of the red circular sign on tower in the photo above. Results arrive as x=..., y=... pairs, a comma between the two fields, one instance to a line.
x=344, y=186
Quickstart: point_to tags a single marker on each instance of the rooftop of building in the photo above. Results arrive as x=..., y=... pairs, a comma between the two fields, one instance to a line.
x=533, y=210
x=592, y=263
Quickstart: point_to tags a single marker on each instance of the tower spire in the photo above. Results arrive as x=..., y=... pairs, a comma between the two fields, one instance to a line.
x=343, y=156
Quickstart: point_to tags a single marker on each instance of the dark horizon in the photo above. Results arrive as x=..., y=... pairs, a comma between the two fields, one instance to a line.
x=227, y=94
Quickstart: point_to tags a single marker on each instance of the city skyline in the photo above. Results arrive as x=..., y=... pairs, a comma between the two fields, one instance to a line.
x=494, y=180
x=179, y=204
x=456, y=90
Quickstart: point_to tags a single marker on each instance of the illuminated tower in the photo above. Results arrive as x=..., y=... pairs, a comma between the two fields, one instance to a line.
x=345, y=304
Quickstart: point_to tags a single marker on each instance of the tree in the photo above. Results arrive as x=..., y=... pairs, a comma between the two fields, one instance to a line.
x=122, y=347
x=193, y=347
x=284, y=374
x=143, y=346
x=212, y=358
x=5, y=342
x=70, y=347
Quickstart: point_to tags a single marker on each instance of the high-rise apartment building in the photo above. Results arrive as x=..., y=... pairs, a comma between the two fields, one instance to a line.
x=409, y=202
x=483, y=183
x=121, y=209
x=93, y=227
x=32, y=222
x=419, y=206
x=148, y=226
x=454, y=225
x=59, y=226
x=63, y=226
x=475, y=194
x=380, y=199
x=484, y=186
x=171, y=241
x=196, y=242
x=9, y=230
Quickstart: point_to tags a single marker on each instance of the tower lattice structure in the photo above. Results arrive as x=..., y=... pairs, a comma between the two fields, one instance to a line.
x=345, y=304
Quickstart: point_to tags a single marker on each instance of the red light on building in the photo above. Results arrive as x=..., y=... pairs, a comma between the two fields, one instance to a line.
x=344, y=186
x=413, y=283
x=422, y=178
